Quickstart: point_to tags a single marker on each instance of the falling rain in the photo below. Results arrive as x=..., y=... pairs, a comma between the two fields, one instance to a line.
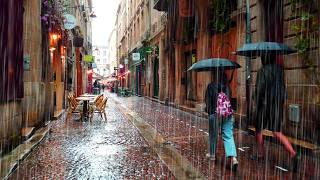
x=159, y=89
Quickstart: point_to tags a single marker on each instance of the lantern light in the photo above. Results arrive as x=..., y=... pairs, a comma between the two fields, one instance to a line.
x=54, y=36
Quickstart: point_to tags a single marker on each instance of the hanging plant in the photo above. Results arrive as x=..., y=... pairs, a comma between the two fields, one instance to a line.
x=219, y=15
x=51, y=13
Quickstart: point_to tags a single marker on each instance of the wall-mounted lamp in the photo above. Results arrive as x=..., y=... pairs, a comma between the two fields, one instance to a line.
x=93, y=15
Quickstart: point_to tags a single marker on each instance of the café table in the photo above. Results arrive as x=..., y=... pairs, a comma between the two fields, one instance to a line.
x=85, y=105
x=88, y=95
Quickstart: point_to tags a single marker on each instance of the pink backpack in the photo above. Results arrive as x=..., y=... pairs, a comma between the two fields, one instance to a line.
x=223, y=105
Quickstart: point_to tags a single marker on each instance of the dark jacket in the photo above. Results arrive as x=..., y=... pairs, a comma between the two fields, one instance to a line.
x=212, y=94
x=270, y=96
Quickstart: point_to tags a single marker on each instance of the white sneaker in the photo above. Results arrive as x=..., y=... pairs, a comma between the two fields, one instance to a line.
x=211, y=157
x=234, y=160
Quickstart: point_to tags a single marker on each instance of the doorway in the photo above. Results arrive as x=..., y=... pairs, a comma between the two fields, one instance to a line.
x=156, y=77
x=190, y=78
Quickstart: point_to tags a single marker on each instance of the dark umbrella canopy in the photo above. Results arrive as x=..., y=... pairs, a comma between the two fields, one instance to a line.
x=262, y=48
x=214, y=64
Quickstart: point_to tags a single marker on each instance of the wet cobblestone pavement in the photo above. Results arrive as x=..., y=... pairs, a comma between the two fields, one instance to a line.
x=188, y=134
x=111, y=149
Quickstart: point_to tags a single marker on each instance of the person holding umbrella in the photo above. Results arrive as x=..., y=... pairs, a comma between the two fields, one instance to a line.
x=270, y=97
x=217, y=95
x=270, y=93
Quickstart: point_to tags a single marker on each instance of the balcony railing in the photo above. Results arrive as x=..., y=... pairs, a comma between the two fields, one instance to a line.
x=160, y=5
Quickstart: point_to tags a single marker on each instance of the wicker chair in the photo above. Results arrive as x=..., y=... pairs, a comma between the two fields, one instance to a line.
x=74, y=106
x=99, y=107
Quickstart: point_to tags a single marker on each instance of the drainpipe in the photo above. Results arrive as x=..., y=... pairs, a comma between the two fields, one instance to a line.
x=248, y=62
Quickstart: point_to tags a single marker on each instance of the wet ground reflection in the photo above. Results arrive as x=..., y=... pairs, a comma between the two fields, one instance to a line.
x=111, y=149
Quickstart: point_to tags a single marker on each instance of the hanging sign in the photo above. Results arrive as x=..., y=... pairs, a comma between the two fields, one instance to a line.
x=88, y=58
x=136, y=56
x=69, y=21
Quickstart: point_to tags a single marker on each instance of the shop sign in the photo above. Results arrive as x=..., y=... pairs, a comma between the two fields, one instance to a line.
x=26, y=62
x=135, y=56
x=88, y=58
x=69, y=21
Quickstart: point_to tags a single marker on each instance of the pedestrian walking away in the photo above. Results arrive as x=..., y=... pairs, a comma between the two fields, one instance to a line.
x=270, y=97
x=220, y=123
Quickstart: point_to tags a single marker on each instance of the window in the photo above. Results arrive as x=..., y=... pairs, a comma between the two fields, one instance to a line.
x=104, y=52
x=11, y=50
x=98, y=60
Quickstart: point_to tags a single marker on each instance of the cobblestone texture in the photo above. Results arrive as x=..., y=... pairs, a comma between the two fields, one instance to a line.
x=189, y=135
x=111, y=149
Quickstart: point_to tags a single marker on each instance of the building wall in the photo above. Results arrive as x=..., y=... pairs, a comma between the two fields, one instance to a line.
x=34, y=99
x=101, y=60
x=112, y=50
x=301, y=88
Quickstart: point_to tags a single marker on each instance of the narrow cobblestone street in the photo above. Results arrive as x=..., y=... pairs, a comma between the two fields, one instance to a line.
x=111, y=149
x=114, y=149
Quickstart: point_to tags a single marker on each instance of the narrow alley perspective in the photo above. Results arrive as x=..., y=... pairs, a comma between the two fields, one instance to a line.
x=159, y=89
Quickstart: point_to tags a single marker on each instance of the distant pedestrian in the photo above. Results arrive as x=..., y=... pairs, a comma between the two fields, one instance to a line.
x=103, y=86
x=217, y=122
x=270, y=97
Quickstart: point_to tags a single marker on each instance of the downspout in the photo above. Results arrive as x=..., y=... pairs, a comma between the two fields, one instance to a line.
x=248, y=63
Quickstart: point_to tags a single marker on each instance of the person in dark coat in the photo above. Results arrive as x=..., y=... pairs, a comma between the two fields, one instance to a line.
x=270, y=97
x=216, y=123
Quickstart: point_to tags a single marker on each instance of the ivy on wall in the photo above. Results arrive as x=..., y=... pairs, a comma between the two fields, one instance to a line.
x=307, y=35
x=220, y=15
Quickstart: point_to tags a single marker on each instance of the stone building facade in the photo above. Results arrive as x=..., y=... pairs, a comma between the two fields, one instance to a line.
x=33, y=82
x=277, y=21
x=188, y=34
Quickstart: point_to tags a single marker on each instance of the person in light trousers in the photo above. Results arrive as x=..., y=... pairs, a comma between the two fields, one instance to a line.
x=216, y=123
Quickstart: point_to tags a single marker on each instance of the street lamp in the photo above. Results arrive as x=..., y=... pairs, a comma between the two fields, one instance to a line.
x=93, y=15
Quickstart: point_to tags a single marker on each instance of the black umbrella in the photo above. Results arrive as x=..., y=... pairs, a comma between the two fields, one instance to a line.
x=214, y=64
x=262, y=48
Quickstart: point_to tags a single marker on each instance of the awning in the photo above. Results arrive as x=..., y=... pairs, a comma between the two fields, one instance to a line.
x=136, y=63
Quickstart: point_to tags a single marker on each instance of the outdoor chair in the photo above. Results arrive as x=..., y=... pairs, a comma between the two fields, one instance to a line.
x=74, y=106
x=96, y=100
x=99, y=107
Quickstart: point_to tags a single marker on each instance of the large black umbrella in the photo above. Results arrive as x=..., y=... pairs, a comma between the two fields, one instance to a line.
x=262, y=48
x=214, y=64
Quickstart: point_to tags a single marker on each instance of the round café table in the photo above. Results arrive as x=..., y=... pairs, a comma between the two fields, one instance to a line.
x=85, y=105
x=88, y=95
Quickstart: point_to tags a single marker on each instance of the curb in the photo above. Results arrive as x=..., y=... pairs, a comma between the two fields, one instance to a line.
x=177, y=164
x=10, y=162
x=182, y=108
